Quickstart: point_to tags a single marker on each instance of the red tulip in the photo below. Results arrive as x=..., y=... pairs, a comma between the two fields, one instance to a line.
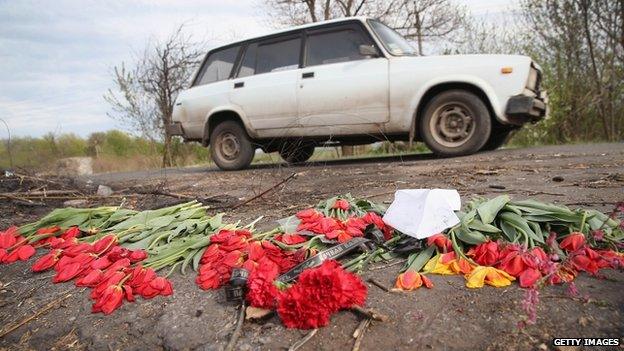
x=22, y=253
x=529, y=277
x=573, y=242
x=341, y=204
x=46, y=261
x=92, y=279
x=137, y=255
x=441, y=241
x=8, y=238
x=71, y=233
x=485, y=254
x=77, y=249
x=291, y=239
x=101, y=263
x=68, y=272
x=104, y=244
x=109, y=301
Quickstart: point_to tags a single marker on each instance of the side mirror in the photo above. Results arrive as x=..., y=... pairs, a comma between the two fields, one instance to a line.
x=368, y=50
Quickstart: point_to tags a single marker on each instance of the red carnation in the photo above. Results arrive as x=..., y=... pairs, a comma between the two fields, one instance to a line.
x=297, y=311
x=262, y=292
x=320, y=292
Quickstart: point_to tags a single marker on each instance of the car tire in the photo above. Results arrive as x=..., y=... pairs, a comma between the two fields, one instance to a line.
x=455, y=123
x=230, y=146
x=498, y=138
x=294, y=153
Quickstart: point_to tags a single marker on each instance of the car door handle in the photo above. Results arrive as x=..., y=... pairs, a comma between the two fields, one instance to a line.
x=239, y=85
x=307, y=75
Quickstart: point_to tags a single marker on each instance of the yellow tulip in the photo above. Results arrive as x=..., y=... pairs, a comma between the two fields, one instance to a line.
x=448, y=263
x=488, y=275
x=436, y=266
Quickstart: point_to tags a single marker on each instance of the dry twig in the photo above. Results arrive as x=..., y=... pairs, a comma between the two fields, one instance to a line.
x=358, y=334
x=237, y=331
x=378, y=284
x=370, y=313
x=43, y=310
x=302, y=341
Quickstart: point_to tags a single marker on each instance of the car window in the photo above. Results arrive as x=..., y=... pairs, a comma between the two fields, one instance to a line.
x=248, y=63
x=393, y=41
x=336, y=46
x=218, y=66
x=278, y=56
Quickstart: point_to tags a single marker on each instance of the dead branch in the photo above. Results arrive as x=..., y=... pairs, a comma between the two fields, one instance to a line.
x=22, y=200
x=291, y=176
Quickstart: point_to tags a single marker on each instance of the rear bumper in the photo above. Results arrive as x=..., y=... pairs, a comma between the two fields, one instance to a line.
x=174, y=128
x=525, y=108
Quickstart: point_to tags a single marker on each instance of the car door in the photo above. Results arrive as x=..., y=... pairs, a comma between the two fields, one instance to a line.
x=265, y=86
x=210, y=89
x=339, y=85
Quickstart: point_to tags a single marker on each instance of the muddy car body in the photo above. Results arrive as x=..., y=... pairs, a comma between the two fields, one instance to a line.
x=351, y=81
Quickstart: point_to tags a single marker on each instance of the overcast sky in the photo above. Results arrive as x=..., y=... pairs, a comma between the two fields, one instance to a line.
x=56, y=56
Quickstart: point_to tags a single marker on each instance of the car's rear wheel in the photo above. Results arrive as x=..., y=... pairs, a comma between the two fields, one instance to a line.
x=454, y=123
x=230, y=146
x=296, y=152
x=498, y=138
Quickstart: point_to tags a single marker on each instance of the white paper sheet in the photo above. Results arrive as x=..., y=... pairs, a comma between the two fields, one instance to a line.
x=422, y=213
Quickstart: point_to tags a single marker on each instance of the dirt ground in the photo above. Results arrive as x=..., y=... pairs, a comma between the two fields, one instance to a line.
x=449, y=316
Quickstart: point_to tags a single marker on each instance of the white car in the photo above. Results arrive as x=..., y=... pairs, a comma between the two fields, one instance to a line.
x=351, y=81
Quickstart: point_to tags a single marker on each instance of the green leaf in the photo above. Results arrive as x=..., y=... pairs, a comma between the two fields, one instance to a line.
x=481, y=227
x=510, y=232
x=417, y=260
x=521, y=224
x=197, y=257
x=187, y=260
x=216, y=221
x=489, y=209
x=470, y=236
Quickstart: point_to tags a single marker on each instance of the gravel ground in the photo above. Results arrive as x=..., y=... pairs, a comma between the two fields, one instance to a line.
x=449, y=316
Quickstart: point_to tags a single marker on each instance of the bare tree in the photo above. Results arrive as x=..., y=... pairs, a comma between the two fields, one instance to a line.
x=298, y=12
x=146, y=92
x=581, y=45
x=426, y=20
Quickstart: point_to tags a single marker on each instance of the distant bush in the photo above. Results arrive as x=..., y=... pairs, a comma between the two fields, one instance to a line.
x=113, y=150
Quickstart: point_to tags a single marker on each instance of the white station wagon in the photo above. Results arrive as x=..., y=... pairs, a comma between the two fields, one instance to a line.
x=346, y=82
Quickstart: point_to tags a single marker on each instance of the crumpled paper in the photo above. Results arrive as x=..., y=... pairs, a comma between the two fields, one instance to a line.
x=421, y=213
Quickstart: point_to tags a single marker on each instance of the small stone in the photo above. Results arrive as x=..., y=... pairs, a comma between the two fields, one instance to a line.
x=104, y=190
x=542, y=346
x=264, y=340
x=557, y=179
x=75, y=203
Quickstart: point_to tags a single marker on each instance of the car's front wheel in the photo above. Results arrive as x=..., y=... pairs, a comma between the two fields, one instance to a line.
x=296, y=152
x=454, y=123
x=230, y=146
